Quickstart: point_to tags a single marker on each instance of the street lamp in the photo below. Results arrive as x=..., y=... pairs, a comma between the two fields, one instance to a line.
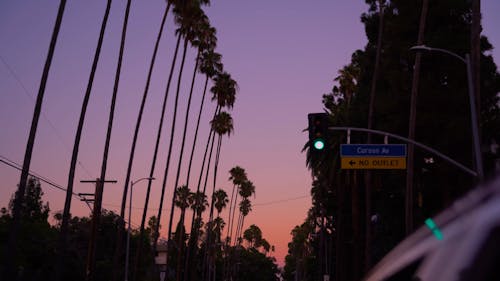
x=472, y=103
x=129, y=223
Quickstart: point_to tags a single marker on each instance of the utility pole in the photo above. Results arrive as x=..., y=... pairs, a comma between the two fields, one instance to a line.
x=475, y=51
x=412, y=123
x=96, y=215
x=475, y=68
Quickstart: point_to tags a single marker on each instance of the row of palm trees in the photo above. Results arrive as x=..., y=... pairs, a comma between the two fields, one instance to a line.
x=206, y=247
x=193, y=29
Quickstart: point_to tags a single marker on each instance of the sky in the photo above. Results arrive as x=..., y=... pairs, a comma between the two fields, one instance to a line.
x=283, y=54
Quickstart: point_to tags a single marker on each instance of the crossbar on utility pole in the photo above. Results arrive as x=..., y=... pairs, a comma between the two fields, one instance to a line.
x=96, y=214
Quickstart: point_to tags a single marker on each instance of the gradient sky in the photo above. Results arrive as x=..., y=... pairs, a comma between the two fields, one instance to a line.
x=283, y=54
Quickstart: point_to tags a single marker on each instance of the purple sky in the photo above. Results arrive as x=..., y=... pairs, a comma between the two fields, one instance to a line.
x=283, y=54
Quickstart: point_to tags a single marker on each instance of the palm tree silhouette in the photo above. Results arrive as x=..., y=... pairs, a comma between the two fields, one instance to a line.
x=11, y=248
x=189, y=16
x=100, y=185
x=222, y=124
x=63, y=235
x=247, y=188
x=121, y=228
x=210, y=65
x=238, y=176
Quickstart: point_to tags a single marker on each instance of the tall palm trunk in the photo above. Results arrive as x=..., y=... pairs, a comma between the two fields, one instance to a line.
x=11, y=249
x=412, y=122
x=172, y=135
x=186, y=119
x=196, y=132
x=63, y=236
x=194, y=222
x=229, y=215
x=169, y=155
x=151, y=172
x=198, y=215
x=371, y=109
x=121, y=227
x=233, y=214
x=210, y=218
x=228, y=237
x=237, y=234
x=100, y=185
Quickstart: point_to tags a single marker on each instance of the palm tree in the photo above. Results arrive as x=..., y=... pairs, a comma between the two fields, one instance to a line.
x=245, y=208
x=194, y=25
x=209, y=63
x=19, y=197
x=371, y=109
x=222, y=124
x=247, y=188
x=63, y=236
x=179, y=36
x=217, y=227
x=347, y=79
x=100, y=184
x=186, y=16
x=199, y=202
x=184, y=199
x=238, y=176
x=153, y=164
x=120, y=229
x=220, y=198
x=224, y=90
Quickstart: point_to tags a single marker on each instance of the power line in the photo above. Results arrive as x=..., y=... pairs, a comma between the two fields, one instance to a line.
x=51, y=125
x=17, y=166
x=13, y=164
x=281, y=201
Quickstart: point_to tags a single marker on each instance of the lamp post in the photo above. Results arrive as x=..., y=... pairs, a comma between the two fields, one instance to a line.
x=129, y=223
x=472, y=103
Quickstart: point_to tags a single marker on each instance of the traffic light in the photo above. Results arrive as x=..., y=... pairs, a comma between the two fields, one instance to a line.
x=318, y=127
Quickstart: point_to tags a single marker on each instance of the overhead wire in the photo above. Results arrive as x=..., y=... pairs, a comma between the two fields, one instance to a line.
x=281, y=201
x=51, y=125
x=17, y=166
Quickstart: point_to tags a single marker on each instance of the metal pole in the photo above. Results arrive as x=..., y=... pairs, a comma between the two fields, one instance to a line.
x=128, y=232
x=422, y=146
x=473, y=113
x=127, y=251
x=472, y=103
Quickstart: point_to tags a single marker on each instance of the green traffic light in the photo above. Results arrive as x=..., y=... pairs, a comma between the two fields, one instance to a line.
x=319, y=144
x=434, y=228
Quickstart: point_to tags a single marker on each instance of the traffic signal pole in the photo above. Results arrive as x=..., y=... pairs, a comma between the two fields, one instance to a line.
x=420, y=145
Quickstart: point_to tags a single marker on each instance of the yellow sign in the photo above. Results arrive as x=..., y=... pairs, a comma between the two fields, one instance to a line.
x=373, y=163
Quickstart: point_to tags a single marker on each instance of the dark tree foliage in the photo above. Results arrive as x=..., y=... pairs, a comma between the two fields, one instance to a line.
x=38, y=238
x=443, y=123
x=255, y=265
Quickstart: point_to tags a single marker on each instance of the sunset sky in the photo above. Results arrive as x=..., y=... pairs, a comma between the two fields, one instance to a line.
x=283, y=54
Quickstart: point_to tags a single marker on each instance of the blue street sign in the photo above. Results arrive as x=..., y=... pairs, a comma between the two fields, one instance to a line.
x=373, y=150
